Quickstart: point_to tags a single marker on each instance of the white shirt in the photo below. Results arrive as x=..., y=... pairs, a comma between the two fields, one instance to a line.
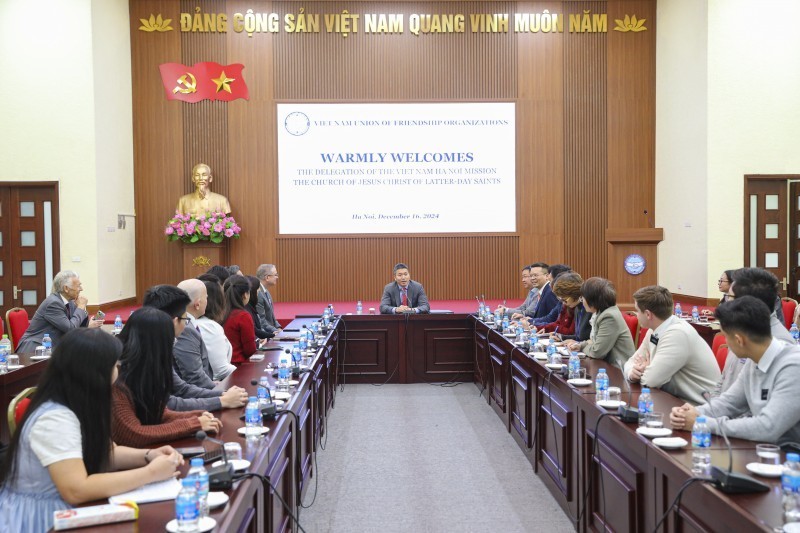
x=218, y=346
x=56, y=436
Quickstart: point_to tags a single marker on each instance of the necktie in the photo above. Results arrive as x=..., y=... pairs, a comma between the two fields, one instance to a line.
x=405, y=297
x=69, y=312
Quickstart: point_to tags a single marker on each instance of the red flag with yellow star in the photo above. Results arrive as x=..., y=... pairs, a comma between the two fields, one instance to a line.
x=207, y=80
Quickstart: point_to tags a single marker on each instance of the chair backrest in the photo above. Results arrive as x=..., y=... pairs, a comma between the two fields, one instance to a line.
x=17, y=408
x=719, y=340
x=721, y=354
x=633, y=324
x=788, y=305
x=17, y=322
x=640, y=338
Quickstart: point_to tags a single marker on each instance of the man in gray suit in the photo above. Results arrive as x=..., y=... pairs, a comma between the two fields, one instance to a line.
x=191, y=354
x=404, y=295
x=267, y=277
x=63, y=310
x=528, y=307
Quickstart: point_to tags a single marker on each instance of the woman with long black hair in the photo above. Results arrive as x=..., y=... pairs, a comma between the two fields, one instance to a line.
x=62, y=453
x=140, y=395
x=238, y=324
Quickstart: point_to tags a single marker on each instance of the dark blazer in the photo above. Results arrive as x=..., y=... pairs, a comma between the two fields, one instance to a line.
x=266, y=313
x=191, y=357
x=51, y=317
x=547, y=302
x=417, y=299
x=583, y=329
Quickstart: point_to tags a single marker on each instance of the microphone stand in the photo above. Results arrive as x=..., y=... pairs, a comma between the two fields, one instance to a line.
x=219, y=477
x=269, y=411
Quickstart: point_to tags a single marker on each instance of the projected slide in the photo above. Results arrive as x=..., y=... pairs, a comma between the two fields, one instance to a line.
x=396, y=168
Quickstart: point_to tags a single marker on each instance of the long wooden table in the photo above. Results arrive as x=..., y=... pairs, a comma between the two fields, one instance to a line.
x=621, y=482
x=602, y=473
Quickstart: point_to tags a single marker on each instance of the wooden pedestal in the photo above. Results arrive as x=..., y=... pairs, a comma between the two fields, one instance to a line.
x=623, y=242
x=199, y=257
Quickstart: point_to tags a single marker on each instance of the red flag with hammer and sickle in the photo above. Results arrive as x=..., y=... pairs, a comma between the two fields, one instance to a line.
x=202, y=81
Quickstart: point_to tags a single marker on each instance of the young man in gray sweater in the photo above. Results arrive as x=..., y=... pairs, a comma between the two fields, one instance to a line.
x=761, y=404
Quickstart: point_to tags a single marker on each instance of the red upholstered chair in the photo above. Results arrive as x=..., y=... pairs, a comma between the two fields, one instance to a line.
x=17, y=322
x=640, y=338
x=721, y=354
x=17, y=408
x=719, y=340
x=788, y=305
x=633, y=324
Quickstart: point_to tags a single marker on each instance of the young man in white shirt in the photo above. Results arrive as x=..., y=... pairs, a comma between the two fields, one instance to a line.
x=673, y=356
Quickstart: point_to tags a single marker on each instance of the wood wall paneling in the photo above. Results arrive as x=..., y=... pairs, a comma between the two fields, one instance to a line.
x=585, y=170
x=565, y=86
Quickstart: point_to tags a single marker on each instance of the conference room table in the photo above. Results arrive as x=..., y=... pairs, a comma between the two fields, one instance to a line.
x=602, y=473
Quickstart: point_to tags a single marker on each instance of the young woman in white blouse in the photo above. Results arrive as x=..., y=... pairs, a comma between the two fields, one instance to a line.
x=62, y=454
x=210, y=324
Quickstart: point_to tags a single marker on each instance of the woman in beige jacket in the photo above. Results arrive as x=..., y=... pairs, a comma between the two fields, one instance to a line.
x=610, y=338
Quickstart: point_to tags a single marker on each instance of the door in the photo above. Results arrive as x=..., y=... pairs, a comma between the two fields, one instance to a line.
x=793, y=288
x=29, y=244
x=765, y=232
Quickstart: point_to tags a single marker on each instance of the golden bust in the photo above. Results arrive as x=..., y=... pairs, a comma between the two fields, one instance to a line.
x=202, y=200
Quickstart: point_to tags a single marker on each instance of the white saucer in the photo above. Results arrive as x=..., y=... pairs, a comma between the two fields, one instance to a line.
x=238, y=464
x=217, y=499
x=611, y=404
x=539, y=356
x=791, y=527
x=15, y=367
x=670, y=443
x=206, y=524
x=765, y=470
x=243, y=431
x=293, y=382
x=39, y=357
x=653, y=432
x=280, y=395
x=578, y=382
x=554, y=366
x=509, y=335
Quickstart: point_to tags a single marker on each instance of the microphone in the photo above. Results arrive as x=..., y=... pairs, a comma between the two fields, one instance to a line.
x=219, y=477
x=728, y=481
x=269, y=411
x=627, y=413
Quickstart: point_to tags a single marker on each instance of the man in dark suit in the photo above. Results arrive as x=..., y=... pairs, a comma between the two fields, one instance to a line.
x=547, y=299
x=404, y=295
x=267, y=277
x=63, y=310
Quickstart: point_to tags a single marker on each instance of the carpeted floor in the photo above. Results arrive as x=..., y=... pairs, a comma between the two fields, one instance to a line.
x=424, y=458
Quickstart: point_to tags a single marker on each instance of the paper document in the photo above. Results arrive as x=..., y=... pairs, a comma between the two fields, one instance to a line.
x=152, y=492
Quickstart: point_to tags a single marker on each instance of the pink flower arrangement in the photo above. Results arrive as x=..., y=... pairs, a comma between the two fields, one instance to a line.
x=214, y=227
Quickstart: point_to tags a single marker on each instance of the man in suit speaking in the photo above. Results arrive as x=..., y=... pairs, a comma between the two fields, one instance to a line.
x=404, y=295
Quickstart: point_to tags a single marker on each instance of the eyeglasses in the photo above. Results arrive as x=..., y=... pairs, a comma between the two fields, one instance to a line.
x=723, y=280
x=186, y=318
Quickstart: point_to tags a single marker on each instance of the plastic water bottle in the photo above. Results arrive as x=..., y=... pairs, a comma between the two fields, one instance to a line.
x=252, y=417
x=695, y=314
x=200, y=475
x=645, y=406
x=601, y=384
x=553, y=357
x=574, y=365
x=283, y=374
x=795, y=333
x=505, y=323
x=359, y=307
x=701, y=443
x=790, y=481
x=5, y=349
x=480, y=309
x=330, y=306
x=117, y=325
x=303, y=341
x=498, y=318
x=47, y=342
x=678, y=310
x=297, y=355
x=186, y=506
x=263, y=395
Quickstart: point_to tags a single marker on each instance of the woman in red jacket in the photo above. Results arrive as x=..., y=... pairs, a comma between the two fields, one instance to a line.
x=238, y=324
x=567, y=288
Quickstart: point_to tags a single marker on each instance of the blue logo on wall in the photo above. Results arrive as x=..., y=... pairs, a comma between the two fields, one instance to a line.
x=297, y=123
x=634, y=264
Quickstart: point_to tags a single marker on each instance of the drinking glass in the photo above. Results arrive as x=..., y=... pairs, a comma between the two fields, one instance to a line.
x=655, y=420
x=768, y=454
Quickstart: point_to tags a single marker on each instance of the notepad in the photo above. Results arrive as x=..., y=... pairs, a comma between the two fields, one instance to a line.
x=152, y=492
